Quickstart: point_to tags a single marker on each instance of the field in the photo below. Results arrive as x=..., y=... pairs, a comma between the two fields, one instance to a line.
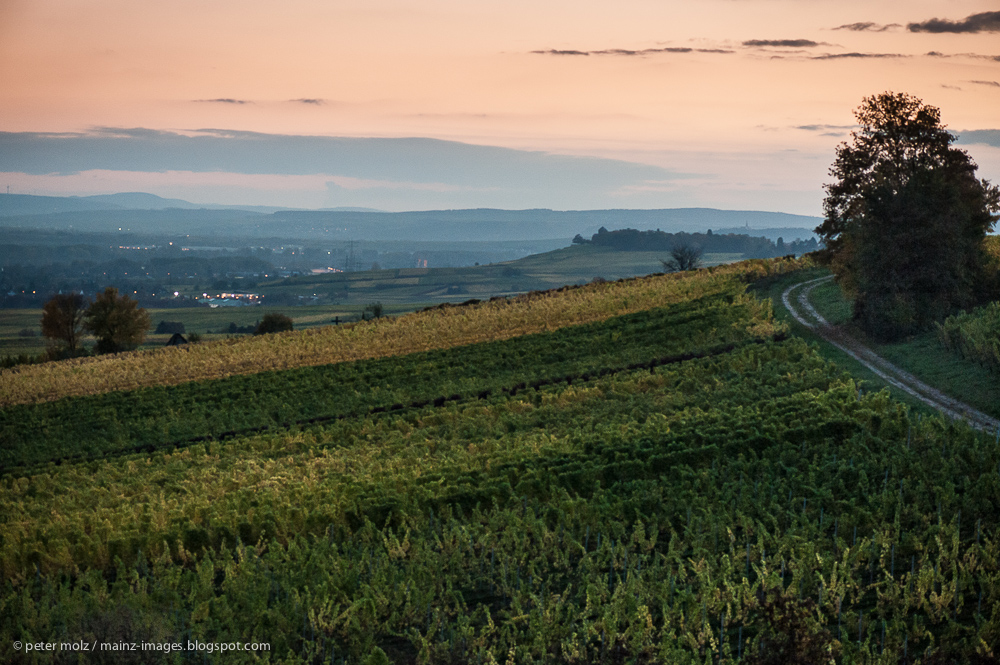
x=645, y=471
x=578, y=264
x=345, y=295
x=207, y=322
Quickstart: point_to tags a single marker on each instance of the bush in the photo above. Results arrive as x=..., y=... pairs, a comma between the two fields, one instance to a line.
x=234, y=329
x=374, y=310
x=273, y=323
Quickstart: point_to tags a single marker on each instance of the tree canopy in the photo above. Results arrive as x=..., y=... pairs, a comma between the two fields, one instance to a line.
x=272, y=323
x=906, y=218
x=62, y=319
x=683, y=257
x=117, y=322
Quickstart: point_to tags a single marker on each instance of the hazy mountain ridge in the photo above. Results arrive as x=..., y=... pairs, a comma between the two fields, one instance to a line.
x=145, y=213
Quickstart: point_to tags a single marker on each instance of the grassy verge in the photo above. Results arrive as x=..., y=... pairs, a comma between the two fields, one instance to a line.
x=920, y=355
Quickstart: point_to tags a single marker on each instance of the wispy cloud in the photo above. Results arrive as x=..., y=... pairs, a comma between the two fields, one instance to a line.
x=824, y=128
x=633, y=52
x=978, y=56
x=868, y=26
x=561, y=52
x=222, y=100
x=842, y=56
x=788, y=43
x=982, y=22
x=306, y=100
x=992, y=84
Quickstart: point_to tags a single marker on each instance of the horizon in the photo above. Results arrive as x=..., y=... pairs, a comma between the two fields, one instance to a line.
x=726, y=105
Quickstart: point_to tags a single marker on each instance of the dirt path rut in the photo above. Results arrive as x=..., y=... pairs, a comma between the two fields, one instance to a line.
x=806, y=314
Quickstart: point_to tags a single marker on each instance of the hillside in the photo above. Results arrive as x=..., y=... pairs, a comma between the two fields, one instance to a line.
x=642, y=471
x=146, y=214
x=536, y=272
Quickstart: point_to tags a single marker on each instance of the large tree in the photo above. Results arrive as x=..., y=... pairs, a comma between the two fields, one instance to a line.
x=62, y=319
x=117, y=322
x=906, y=218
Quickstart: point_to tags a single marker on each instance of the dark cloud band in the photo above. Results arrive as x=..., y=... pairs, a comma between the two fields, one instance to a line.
x=847, y=56
x=982, y=22
x=222, y=100
x=633, y=52
x=788, y=43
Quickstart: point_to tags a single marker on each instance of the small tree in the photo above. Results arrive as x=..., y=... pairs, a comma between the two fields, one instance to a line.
x=372, y=310
x=62, y=319
x=273, y=323
x=118, y=323
x=684, y=257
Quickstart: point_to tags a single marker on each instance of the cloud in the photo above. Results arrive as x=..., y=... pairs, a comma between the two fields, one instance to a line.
x=982, y=22
x=824, y=128
x=315, y=102
x=841, y=56
x=448, y=173
x=993, y=84
x=868, y=26
x=982, y=136
x=223, y=100
x=789, y=43
x=559, y=52
x=634, y=52
x=978, y=56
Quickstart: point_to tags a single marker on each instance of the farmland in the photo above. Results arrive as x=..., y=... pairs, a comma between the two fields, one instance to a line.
x=321, y=299
x=651, y=470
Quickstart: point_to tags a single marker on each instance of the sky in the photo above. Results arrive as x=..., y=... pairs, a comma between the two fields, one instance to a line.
x=582, y=104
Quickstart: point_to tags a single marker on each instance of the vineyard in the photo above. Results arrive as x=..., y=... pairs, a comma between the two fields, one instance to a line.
x=443, y=328
x=650, y=471
x=974, y=335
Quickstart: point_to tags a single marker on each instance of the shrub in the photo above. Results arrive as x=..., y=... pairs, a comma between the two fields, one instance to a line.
x=273, y=323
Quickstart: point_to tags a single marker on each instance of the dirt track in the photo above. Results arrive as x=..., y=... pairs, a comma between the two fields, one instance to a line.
x=807, y=315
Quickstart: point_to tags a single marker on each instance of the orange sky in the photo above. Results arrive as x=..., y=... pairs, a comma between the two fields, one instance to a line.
x=753, y=124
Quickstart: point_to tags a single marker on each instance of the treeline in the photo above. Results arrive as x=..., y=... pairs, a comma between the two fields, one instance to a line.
x=632, y=240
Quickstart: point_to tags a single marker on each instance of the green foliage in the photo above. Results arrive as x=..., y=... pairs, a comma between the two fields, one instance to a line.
x=372, y=311
x=118, y=323
x=906, y=219
x=975, y=335
x=163, y=417
x=62, y=319
x=740, y=500
x=273, y=323
x=683, y=257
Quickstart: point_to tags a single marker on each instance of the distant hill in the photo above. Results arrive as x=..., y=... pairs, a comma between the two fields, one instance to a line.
x=148, y=213
x=492, y=224
x=26, y=204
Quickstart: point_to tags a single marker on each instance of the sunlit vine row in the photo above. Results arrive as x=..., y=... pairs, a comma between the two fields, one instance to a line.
x=438, y=329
